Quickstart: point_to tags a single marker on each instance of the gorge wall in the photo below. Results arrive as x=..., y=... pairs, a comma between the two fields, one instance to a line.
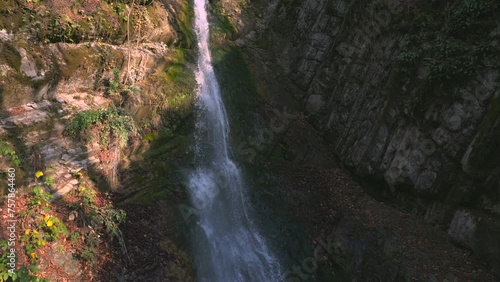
x=90, y=95
x=405, y=93
x=404, y=97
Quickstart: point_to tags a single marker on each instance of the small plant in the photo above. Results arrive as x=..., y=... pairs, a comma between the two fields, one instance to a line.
x=39, y=198
x=49, y=181
x=53, y=227
x=7, y=151
x=32, y=240
x=88, y=254
x=75, y=236
x=63, y=29
x=114, y=85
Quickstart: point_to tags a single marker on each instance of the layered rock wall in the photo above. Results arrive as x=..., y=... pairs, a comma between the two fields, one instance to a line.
x=403, y=95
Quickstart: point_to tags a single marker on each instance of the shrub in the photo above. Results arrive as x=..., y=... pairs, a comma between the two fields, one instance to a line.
x=108, y=123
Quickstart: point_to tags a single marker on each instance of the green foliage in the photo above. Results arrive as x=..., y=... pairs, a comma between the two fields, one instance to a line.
x=45, y=227
x=108, y=123
x=49, y=181
x=4, y=270
x=408, y=57
x=222, y=23
x=178, y=82
x=445, y=47
x=114, y=83
x=114, y=86
x=63, y=29
x=237, y=85
x=454, y=60
x=75, y=236
x=101, y=220
x=7, y=151
x=22, y=274
x=39, y=197
x=40, y=228
x=53, y=228
x=88, y=253
x=469, y=14
x=32, y=240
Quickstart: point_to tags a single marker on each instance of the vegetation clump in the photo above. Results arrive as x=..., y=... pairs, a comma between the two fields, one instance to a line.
x=7, y=151
x=89, y=219
x=97, y=221
x=443, y=53
x=106, y=124
x=114, y=85
x=77, y=21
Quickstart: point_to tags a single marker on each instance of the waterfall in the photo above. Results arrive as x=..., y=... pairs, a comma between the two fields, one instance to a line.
x=227, y=243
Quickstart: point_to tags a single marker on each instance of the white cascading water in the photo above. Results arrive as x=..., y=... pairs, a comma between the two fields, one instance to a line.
x=228, y=246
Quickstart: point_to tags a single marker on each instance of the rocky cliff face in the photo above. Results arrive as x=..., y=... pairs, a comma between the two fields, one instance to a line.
x=118, y=73
x=403, y=95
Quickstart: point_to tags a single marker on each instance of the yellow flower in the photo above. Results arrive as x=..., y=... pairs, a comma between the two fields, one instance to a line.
x=46, y=217
x=35, y=232
x=49, y=223
x=27, y=231
x=46, y=204
x=38, y=202
x=38, y=174
x=83, y=189
x=33, y=255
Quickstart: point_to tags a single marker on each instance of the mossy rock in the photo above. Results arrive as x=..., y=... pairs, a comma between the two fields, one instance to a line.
x=10, y=56
x=15, y=90
x=81, y=58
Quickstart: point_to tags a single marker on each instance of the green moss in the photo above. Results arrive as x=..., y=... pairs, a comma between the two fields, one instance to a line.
x=10, y=56
x=178, y=88
x=151, y=192
x=157, y=183
x=184, y=21
x=238, y=87
x=164, y=145
x=154, y=16
x=177, y=70
x=16, y=91
x=222, y=24
x=77, y=58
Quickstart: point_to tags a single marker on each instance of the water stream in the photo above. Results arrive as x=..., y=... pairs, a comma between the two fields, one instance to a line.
x=227, y=243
